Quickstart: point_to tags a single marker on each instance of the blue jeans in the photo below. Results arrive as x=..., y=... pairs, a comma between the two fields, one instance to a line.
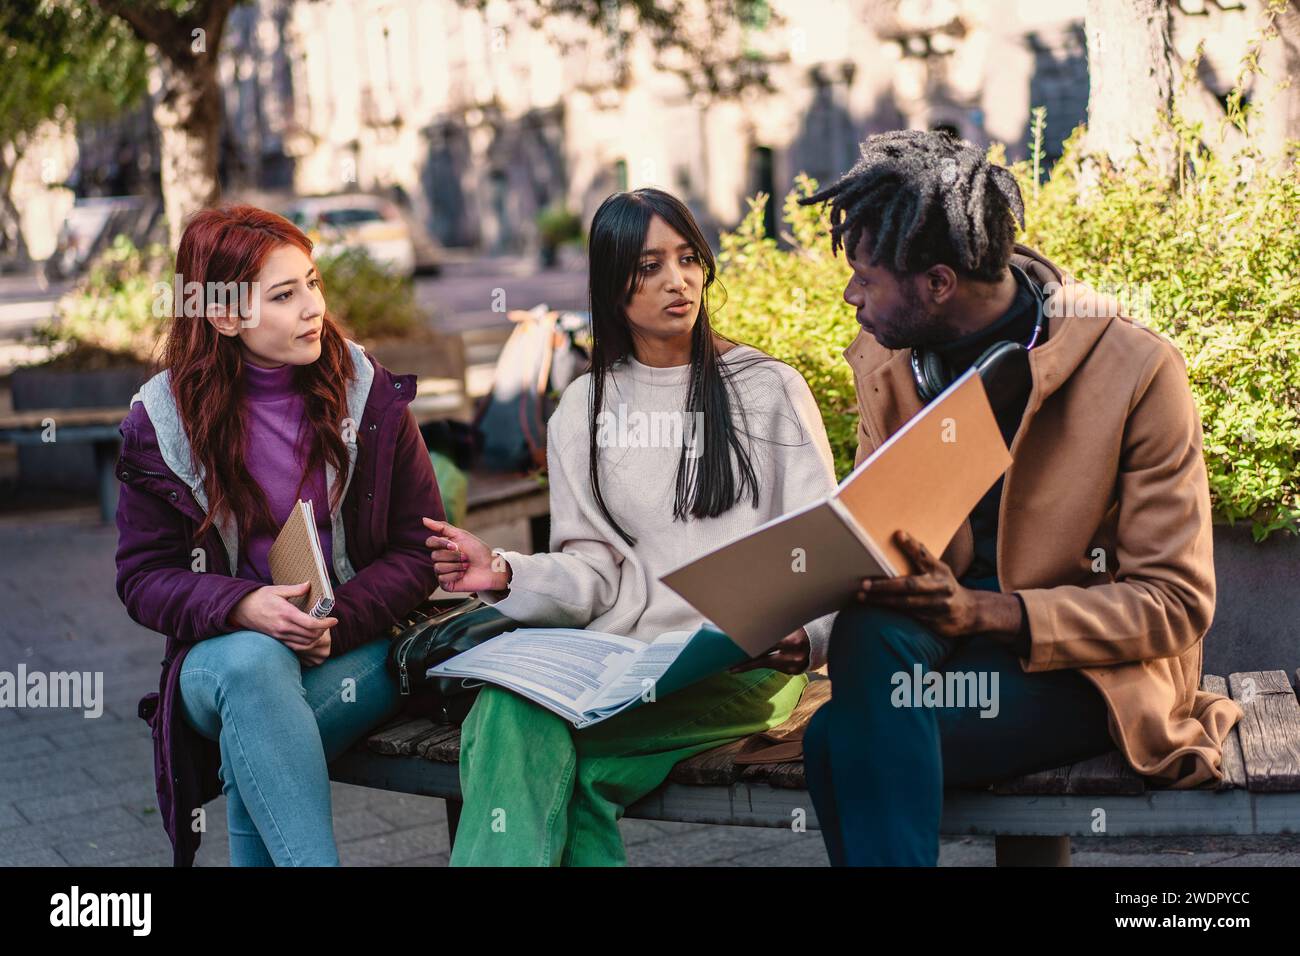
x=278, y=725
x=876, y=769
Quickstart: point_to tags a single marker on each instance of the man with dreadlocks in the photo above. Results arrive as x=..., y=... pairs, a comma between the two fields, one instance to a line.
x=1082, y=583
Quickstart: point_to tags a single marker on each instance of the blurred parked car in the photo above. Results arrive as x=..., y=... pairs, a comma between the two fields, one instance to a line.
x=372, y=223
x=91, y=225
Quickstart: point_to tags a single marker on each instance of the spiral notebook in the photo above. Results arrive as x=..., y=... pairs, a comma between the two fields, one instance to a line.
x=296, y=557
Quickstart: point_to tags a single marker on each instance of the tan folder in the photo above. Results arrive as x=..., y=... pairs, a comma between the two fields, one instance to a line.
x=926, y=479
x=296, y=557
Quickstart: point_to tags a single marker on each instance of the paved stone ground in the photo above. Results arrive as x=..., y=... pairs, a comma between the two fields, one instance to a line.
x=79, y=792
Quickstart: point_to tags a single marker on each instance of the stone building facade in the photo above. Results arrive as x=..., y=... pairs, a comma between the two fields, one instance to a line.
x=479, y=118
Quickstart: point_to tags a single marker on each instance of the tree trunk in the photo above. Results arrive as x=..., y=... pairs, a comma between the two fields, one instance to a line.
x=11, y=220
x=187, y=98
x=1130, y=79
x=187, y=110
x=1279, y=61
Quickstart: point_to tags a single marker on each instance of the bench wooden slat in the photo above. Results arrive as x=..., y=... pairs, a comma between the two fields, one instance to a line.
x=417, y=737
x=790, y=775
x=717, y=766
x=714, y=767
x=1270, y=730
x=1234, y=764
x=442, y=747
x=401, y=738
x=63, y=417
x=1108, y=773
x=1054, y=781
x=1111, y=773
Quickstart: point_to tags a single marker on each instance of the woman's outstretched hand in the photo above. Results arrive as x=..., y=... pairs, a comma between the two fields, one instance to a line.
x=463, y=562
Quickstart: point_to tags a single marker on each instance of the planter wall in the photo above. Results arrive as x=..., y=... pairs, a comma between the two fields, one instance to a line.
x=430, y=355
x=1257, y=615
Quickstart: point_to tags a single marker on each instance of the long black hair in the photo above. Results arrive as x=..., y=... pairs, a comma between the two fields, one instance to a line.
x=707, y=485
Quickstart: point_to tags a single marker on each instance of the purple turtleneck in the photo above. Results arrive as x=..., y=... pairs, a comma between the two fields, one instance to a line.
x=275, y=455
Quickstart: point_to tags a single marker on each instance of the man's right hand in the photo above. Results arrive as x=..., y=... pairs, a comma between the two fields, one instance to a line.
x=268, y=610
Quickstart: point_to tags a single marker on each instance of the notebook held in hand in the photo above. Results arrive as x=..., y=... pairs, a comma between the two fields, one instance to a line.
x=296, y=557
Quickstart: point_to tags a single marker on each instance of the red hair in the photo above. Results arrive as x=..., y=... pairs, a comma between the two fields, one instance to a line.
x=230, y=244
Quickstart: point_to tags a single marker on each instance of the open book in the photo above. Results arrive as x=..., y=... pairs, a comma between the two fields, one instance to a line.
x=296, y=557
x=925, y=479
x=588, y=676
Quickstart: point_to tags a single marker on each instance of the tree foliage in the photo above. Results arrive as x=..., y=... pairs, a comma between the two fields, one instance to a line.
x=709, y=44
x=64, y=60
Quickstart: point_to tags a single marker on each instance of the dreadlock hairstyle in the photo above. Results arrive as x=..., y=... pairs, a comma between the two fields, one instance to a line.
x=926, y=198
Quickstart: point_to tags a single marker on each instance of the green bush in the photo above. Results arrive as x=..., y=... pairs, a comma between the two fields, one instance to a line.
x=1213, y=256
x=788, y=303
x=556, y=225
x=114, y=311
x=118, y=313
x=366, y=298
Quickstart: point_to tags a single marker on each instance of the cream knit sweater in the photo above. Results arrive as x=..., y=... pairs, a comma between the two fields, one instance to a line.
x=590, y=577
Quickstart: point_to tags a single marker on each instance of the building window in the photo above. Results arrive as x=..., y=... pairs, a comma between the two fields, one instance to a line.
x=763, y=179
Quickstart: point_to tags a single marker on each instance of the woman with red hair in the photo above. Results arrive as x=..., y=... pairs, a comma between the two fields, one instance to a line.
x=261, y=402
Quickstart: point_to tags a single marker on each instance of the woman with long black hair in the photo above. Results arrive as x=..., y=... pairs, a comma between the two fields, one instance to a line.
x=677, y=440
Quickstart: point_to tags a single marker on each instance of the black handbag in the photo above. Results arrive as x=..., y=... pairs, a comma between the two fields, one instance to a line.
x=432, y=633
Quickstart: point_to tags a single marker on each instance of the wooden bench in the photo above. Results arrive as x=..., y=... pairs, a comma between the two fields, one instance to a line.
x=98, y=426
x=498, y=498
x=1032, y=818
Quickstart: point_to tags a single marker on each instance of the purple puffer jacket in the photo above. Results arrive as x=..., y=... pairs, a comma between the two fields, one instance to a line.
x=390, y=486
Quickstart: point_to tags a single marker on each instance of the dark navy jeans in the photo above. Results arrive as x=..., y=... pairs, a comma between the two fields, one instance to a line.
x=876, y=769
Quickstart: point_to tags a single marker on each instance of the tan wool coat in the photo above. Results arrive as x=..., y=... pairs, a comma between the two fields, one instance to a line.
x=1108, y=455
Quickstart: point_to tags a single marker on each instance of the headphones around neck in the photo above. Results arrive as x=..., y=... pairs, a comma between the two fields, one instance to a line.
x=1003, y=366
